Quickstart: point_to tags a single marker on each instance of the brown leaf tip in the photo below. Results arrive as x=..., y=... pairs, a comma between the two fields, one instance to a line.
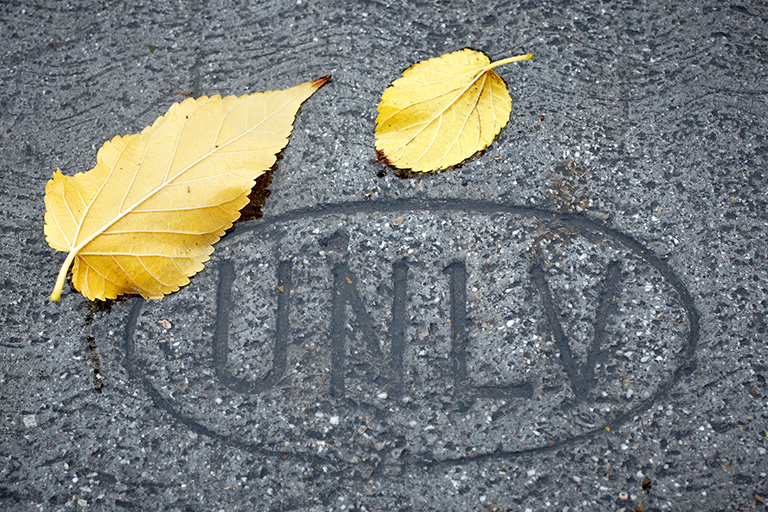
x=381, y=157
x=322, y=81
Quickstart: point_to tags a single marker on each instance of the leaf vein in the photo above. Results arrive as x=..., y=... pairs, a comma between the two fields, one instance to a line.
x=157, y=189
x=440, y=113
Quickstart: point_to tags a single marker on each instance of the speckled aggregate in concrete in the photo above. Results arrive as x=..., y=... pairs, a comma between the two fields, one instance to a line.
x=573, y=320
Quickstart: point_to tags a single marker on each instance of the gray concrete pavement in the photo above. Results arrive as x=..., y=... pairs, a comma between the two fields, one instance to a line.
x=573, y=320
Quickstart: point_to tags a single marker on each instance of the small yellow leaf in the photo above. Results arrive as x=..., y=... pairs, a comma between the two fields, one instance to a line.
x=145, y=218
x=442, y=111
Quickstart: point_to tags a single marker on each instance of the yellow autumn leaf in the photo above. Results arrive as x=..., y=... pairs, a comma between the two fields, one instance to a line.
x=442, y=111
x=144, y=219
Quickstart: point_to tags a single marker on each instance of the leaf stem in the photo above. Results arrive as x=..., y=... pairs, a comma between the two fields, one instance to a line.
x=56, y=294
x=501, y=62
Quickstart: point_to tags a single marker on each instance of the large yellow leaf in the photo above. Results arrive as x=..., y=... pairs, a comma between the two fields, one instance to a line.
x=145, y=218
x=442, y=111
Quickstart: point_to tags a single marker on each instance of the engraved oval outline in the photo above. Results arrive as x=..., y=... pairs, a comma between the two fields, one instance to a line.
x=438, y=205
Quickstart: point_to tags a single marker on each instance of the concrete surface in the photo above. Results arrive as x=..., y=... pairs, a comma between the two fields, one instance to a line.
x=573, y=320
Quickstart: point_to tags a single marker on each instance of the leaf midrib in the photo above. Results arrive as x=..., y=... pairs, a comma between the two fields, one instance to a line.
x=160, y=187
x=482, y=71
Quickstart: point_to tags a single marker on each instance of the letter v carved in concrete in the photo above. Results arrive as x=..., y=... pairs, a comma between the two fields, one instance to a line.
x=580, y=375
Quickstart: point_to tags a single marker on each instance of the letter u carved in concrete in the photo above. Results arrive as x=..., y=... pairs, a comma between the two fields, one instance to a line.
x=221, y=332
